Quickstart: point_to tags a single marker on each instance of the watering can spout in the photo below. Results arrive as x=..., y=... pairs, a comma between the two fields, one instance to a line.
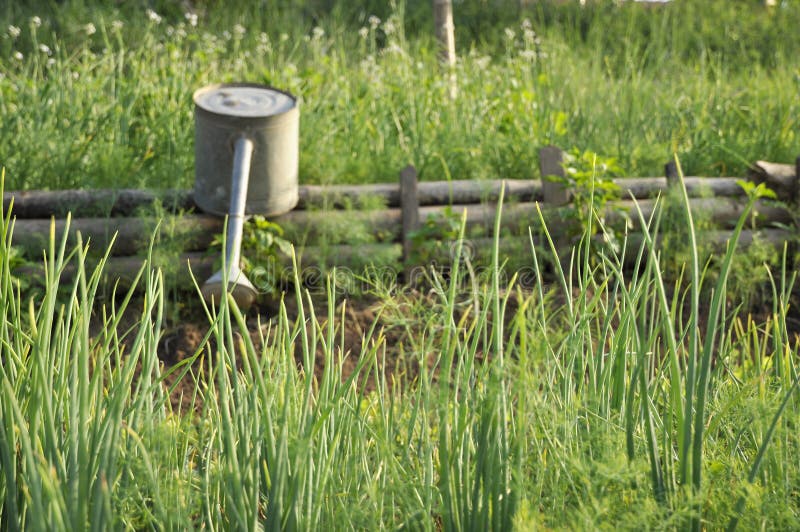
x=239, y=286
x=242, y=290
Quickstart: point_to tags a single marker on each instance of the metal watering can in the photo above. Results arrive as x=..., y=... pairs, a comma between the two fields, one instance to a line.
x=254, y=130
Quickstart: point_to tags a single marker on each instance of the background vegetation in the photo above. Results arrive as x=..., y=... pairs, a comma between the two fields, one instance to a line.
x=99, y=94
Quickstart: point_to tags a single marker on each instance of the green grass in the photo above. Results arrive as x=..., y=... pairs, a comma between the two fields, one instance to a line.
x=575, y=407
x=714, y=82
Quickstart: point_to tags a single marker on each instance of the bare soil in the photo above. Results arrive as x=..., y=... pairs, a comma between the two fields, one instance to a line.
x=181, y=343
x=394, y=327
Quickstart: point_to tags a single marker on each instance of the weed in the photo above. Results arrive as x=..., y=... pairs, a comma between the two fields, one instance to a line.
x=435, y=237
x=588, y=178
x=263, y=254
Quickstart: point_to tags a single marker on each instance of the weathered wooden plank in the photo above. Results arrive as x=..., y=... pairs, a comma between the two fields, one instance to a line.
x=724, y=212
x=350, y=259
x=550, y=165
x=94, y=202
x=196, y=231
x=782, y=178
x=191, y=232
x=671, y=173
x=130, y=202
x=650, y=187
x=409, y=207
x=428, y=193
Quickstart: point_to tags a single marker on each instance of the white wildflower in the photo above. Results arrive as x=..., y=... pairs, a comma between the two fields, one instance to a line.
x=14, y=31
x=529, y=35
x=389, y=28
x=153, y=16
x=510, y=35
x=89, y=29
x=317, y=33
x=170, y=31
x=36, y=21
x=263, y=38
x=181, y=32
x=45, y=49
x=483, y=62
x=75, y=75
x=238, y=30
x=226, y=35
x=374, y=21
x=18, y=56
x=117, y=25
x=368, y=63
x=191, y=18
x=51, y=62
x=526, y=24
x=363, y=32
x=394, y=48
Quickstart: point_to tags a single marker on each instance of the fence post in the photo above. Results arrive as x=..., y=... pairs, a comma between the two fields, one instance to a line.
x=409, y=208
x=671, y=173
x=556, y=193
x=550, y=164
x=796, y=191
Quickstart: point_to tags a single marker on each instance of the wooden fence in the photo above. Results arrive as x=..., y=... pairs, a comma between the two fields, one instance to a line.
x=323, y=212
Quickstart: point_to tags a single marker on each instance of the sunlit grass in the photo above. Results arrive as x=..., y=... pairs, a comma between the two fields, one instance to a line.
x=104, y=98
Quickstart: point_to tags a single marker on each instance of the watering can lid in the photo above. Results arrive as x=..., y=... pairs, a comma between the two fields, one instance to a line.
x=247, y=100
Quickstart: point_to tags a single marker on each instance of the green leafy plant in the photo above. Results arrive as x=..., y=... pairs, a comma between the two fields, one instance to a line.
x=263, y=243
x=589, y=179
x=435, y=236
x=263, y=251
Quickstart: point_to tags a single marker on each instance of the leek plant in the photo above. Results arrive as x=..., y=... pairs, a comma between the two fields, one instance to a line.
x=601, y=400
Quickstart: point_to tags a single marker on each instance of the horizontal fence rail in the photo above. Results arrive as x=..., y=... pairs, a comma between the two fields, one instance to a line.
x=128, y=202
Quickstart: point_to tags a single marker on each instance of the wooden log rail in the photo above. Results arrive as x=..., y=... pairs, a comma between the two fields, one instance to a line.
x=99, y=215
x=352, y=257
x=132, y=202
x=196, y=231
